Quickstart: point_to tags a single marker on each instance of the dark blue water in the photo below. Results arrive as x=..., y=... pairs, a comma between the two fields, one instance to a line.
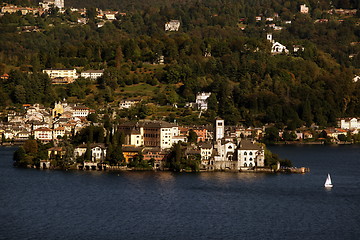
x=42, y=204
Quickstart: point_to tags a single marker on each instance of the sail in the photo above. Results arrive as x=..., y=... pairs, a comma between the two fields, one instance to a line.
x=328, y=181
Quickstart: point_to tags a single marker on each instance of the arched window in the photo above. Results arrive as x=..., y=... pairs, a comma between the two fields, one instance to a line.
x=245, y=165
x=245, y=153
x=250, y=159
x=250, y=153
x=250, y=165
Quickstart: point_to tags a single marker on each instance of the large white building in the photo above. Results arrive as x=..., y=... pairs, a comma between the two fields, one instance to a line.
x=250, y=154
x=61, y=73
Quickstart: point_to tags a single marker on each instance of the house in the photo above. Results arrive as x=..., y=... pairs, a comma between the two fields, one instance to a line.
x=8, y=134
x=276, y=48
x=81, y=111
x=98, y=151
x=110, y=15
x=348, y=123
x=173, y=25
x=201, y=100
x=92, y=74
x=127, y=103
x=304, y=9
x=22, y=136
x=61, y=73
x=202, y=133
x=5, y=76
x=59, y=132
x=136, y=138
x=297, y=48
x=206, y=152
x=55, y=152
x=130, y=152
x=356, y=79
x=49, y=3
x=157, y=155
x=43, y=134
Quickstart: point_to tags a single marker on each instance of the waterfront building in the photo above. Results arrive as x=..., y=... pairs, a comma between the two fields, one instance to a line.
x=250, y=154
x=349, y=123
x=98, y=151
x=151, y=133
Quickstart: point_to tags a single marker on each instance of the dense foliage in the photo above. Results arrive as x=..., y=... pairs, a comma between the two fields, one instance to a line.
x=249, y=85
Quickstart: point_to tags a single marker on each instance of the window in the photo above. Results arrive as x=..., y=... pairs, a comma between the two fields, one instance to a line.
x=245, y=165
x=250, y=153
x=245, y=153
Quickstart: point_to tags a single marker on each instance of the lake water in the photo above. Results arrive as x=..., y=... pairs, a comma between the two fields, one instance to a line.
x=44, y=204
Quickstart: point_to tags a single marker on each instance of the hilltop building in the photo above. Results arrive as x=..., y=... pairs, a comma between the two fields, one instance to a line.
x=61, y=73
x=92, y=74
x=49, y=3
x=173, y=25
x=276, y=48
x=201, y=101
x=304, y=9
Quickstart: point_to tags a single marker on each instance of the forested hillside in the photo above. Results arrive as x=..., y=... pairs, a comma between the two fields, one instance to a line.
x=249, y=84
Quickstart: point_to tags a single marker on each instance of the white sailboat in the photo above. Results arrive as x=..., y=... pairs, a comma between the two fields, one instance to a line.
x=328, y=183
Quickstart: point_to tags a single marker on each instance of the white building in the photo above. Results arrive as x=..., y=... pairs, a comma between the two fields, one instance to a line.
x=173, y=25
x=250, y=155
x=49, y=3
x=43, y=134
x=349, y=123
x=201, y=101
x=81, y=111
x=137, y=138
x=304, y=9
x=127, y=103
x=356, y=78
x=276, y=48
x=98, y=151
x=61, y=73
x=92, y=74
